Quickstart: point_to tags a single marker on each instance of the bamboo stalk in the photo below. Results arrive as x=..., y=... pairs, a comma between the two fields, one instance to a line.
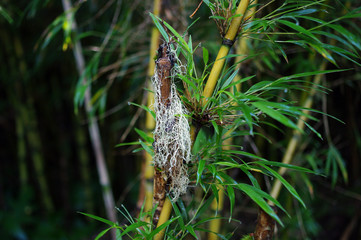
x=216, y=206
x=146, y=188
x=84, y=168
x=21, y=149
x=30, y=123
x=223, y=51
x=242, y=49
x=93, y=126
x=33, y=138
x=215, y=224
x=164, y=216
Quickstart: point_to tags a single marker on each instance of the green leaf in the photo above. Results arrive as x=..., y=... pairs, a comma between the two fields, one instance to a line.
x=201, y=165
x=205, y=56
x=178, y=213
x=147, y=148
x=299, y=29
x=243, y=153
x=145, y=108
x=258, y=199
x=324, y=53
x=5, y=15
x=161, y=227
x=280, y=164
x=133, y=227
x=247, y=111
x=159, y=26
x=229, y=80
x=144, y=135
x=286, y=184
x=101, y=234
x=127, y=144
x=191, y=231
x=231, y=197
x=275, y=114
x=99, y=219
x=179, y=39
x=188, y=81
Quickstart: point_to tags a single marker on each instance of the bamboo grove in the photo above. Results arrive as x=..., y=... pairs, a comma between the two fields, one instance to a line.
x=222, y=119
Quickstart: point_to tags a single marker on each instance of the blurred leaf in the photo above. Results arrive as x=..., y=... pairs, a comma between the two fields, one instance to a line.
x=6, y=15
x=110, y=223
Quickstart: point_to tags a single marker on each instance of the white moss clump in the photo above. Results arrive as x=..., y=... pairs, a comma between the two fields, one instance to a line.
x=172, y=138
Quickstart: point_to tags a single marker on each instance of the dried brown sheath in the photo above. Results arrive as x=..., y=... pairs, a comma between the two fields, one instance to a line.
x=265, y=226
x=164, y=66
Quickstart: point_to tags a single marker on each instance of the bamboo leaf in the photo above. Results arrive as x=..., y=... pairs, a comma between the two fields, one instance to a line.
x=133, y=227
x=205, y=56
x=201, y=165
x=101, y=234
x=231, y=197
x=147, y=148
x=6, y=15
x=144, y=135
x=99, y=219
x=159, y=26
x=286, y=184
x=191, y=231
x=258, y=199
x=161, y=227
x=299, y=29
x=275, y=114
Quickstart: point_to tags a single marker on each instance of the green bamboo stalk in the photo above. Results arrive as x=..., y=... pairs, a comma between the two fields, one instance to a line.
x=34, y=141
x=21, y=149
x=30, y=123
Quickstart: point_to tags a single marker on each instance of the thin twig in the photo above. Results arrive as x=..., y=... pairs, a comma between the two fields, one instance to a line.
x=195, y=11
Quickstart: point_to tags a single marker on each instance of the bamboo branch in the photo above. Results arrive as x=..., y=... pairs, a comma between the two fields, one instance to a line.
x=93, y=126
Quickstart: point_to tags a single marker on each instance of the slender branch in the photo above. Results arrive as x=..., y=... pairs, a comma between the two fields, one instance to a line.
x=93, y=125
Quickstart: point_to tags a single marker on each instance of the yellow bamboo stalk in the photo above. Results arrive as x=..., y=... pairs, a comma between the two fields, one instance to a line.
x=149, y=120
x=164, y=216
x=241, y=51
x=215, y=224
x=223, y=51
